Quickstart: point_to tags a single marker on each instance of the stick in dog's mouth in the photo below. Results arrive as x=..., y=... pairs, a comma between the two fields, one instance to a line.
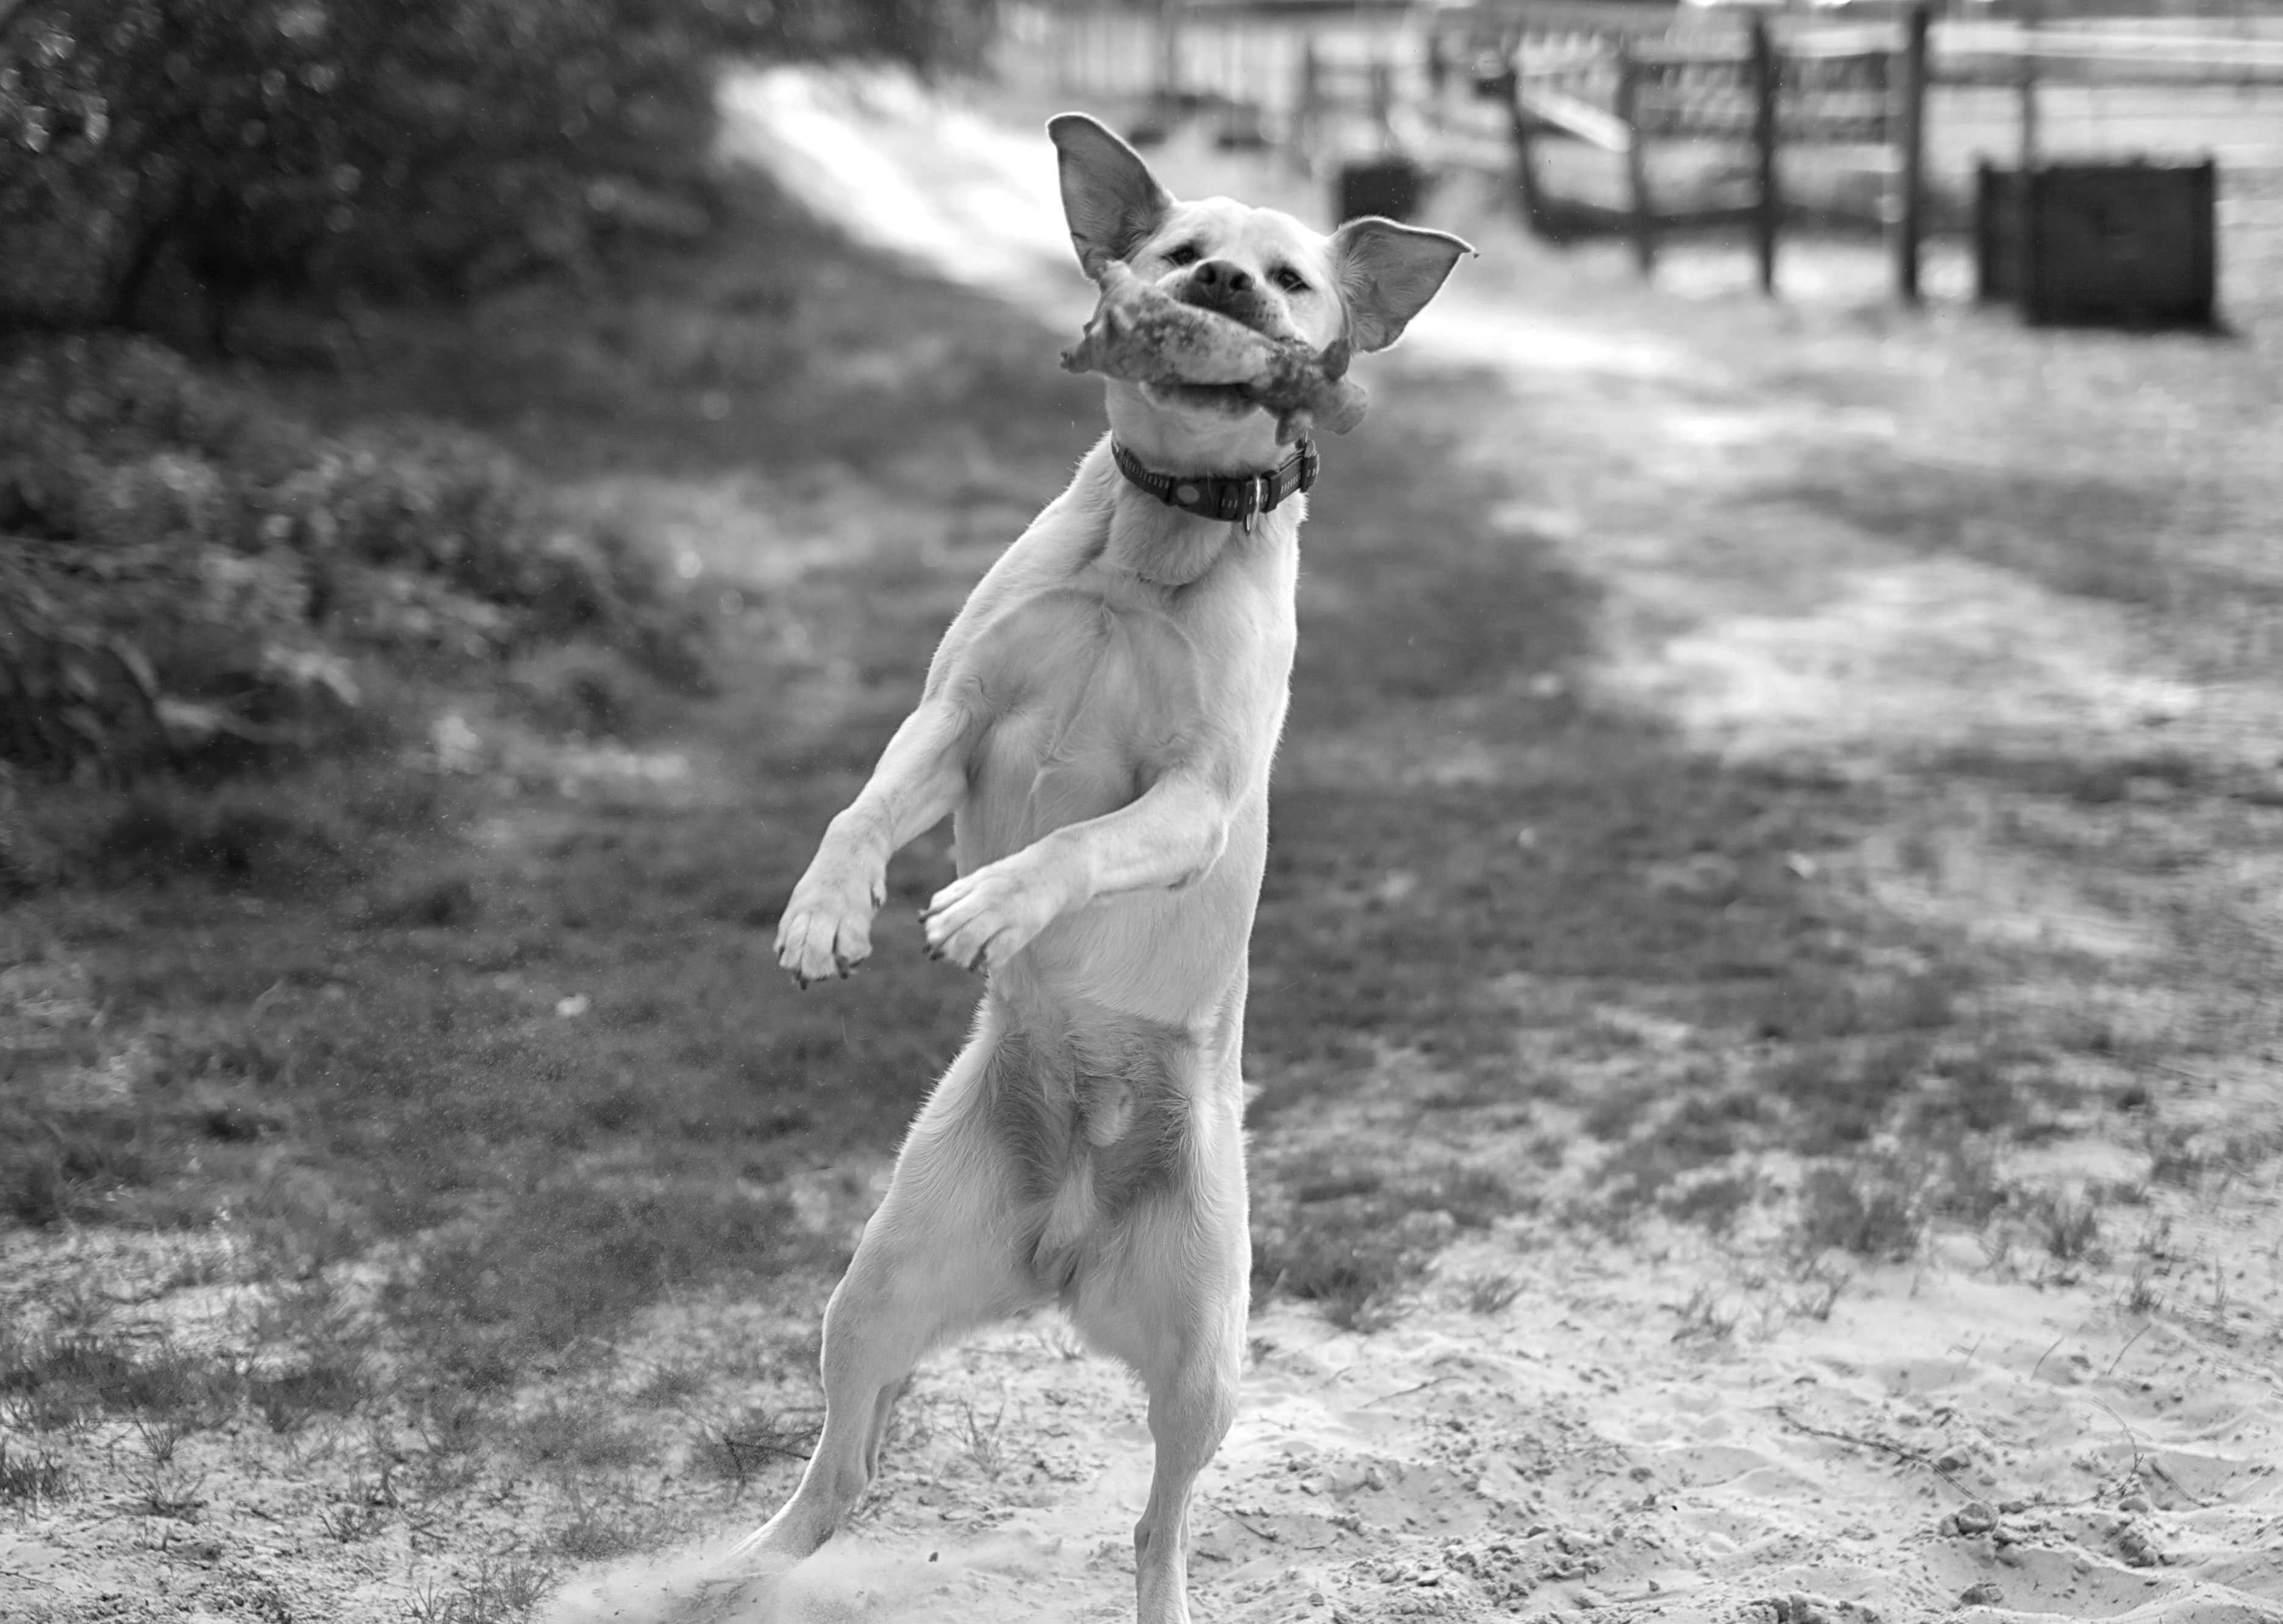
x=1189, y=356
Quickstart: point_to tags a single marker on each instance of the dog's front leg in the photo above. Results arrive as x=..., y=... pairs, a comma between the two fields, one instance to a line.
x=827, y=929
x=1169, y=836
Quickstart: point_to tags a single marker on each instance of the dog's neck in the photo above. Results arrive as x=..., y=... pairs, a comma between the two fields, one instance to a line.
x=1162, y=544
x=1175, y=441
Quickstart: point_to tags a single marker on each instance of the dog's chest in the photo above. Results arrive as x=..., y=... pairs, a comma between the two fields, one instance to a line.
x=1087, y=699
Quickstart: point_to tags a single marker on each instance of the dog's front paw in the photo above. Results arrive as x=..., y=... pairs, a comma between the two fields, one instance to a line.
x=982, y=920
x=827, y=929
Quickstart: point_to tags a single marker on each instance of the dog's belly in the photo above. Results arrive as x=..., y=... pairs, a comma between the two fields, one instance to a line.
x=1090, y=703
x=1095, y=1117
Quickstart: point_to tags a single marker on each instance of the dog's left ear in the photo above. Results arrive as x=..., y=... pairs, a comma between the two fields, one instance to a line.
x=1110, y=198
x=1387, y=273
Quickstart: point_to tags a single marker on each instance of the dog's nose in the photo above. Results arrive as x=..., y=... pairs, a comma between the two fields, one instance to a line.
x=1220, y=277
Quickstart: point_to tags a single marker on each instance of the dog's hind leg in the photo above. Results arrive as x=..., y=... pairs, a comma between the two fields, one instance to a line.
x=1192, y=1400
x=936, y=1259
x=1172, y=1304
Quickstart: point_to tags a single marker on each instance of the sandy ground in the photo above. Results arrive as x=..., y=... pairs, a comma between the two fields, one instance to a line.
x=1942, y=1444
x=1661, y=1429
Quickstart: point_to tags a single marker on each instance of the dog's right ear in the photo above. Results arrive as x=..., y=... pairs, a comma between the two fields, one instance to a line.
x=1110, y=198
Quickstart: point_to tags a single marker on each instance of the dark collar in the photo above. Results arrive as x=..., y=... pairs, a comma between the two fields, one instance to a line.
x=1236, y=499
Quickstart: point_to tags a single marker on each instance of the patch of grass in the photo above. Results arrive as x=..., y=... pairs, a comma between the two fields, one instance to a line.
x=599, y=1528
x=1490, y=1294
x=504, y=1590
x=1349, y=1236
x=1976, y=1090
x=168, y=1490
x=1819, y=1289
x=1661, y=1168
x=1713, y=1204
x=979, y=1441
x=29, y=1478
x=1615, y=1114
x=751, y=1441
x=569, y=1259
x=585, y=691
x=59, y=1164
x=2088, y=780
x=1965, y=1185
x=239, y=836
x=1349, y=1266
x=2080, y=532
x=2174, y=1157
x=1475, y=1197
x=56, y=1381
x=333, y=1381
x=161, y=1436
x=1809, y=1008
x=1348, y=1240
x=587, y=1435
x=672, y=1385
x=1843, y=1091
x=1707, y=1316
x=1870, y=1208
x=356, y=1518
x=2068, y=1227
x=435, y=902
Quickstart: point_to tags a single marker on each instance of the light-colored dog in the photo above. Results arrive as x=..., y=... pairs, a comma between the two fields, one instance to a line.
x=1099, y=721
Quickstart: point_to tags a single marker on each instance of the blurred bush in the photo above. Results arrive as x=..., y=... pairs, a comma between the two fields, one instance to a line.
x=382, y=145
x=187, y=573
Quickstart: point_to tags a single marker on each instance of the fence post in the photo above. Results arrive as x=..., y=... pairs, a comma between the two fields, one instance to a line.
x=1906, y=209
x=1767, y=218
x=2026, y=89
x=1382, y=105
x=1169, y=56
x=1628, y=111
x=2025, y=186
x=1525, y=160
x=1301, y=137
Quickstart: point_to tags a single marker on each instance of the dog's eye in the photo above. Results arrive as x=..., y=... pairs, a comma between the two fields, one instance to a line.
x=1184, y=254
x=1291, y=281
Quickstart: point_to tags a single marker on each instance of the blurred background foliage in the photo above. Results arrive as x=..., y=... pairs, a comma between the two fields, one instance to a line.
x=383, y=146
x=196, y=575
x=190, y=576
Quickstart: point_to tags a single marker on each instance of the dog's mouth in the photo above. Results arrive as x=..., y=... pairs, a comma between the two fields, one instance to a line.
x=1220, y=400
x=1216, y=400
x=1258, y=314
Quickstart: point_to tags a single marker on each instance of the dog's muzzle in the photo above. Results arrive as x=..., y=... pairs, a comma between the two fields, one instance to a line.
x=1229, y=289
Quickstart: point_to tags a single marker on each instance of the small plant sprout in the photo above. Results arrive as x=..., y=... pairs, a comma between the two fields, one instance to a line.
x=1490, y=1293
x=980, y=1439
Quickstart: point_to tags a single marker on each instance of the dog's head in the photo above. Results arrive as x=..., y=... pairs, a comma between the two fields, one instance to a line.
x=1363, y=282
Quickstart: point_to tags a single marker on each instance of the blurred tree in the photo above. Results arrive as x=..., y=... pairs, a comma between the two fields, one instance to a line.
x=387, y=145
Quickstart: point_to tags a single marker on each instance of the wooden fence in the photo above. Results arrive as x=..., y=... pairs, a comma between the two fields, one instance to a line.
x=1624, y=94
x=1581, y=113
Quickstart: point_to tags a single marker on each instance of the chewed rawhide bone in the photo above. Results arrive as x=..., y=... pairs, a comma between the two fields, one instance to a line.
x=1145, y=336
